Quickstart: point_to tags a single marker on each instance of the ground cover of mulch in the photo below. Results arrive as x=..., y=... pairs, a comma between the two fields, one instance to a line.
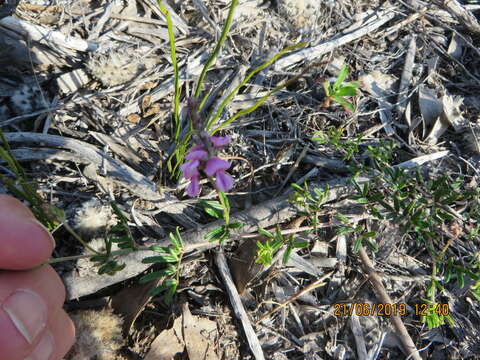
x=86, y=91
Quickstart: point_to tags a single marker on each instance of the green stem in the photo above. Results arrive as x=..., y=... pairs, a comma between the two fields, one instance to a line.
x=225, y=205
x=216, y=51
x=173, y=55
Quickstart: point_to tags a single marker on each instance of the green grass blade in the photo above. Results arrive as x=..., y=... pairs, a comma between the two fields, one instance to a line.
x=224, y=103
x=216, y=51
x=259, y=102
x=173, y=55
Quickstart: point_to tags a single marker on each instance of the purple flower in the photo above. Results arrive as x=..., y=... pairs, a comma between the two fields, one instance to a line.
x=224, y=181
x=198, y=157
x=214, y=165
x=219, y=141
x=190, y=169
x=193, y=189
x=197, y=154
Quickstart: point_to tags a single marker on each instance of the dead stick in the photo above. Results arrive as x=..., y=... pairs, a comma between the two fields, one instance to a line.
x=406, y=340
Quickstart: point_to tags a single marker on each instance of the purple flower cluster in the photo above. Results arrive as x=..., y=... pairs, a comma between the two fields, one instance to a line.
x=201, y=158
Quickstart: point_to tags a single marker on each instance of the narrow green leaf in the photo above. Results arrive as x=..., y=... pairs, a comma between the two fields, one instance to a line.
x=212, y=204
x=342, y=218
x=265, y=233
x=155, y=275
x=300, y=244
x=327, y=88
x=347, y=105
x=358, y=243
x=214, y=213
x=215, y=234
x=218, y=46
x=258, y=103
x=224, y=103
x=235, y=225
x=287, y=254
x=159, y=259
x=342, y=75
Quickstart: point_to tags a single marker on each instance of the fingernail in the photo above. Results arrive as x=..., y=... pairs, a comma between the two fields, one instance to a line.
x=44, y=349
x=28, y=312
x=46, y=230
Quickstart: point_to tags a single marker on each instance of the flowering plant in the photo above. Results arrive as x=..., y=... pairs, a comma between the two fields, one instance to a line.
x=202, y=159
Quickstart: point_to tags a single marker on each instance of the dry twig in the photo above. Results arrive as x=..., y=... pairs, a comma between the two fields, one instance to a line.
x=409, y=346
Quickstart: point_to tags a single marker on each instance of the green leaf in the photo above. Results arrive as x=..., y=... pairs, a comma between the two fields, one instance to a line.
x=176, y=76
x=460, y=279
x=177, y=239
x=276, y=245
x=158, y=248
x=342, y=75
x=346, y=91
x=265, y=233
x=297, y=187
x=347, y=105
x=261, y=246
x=155, y=275
x=278, y=234
x=300, y=244
x=110, y=268
x=214, y=213
x=353, y=84
x=327, y=88
x=212, y=204
x=235, y=225
x=160, y=259
x=218, y=46
x=342, y=218
x=344, y=230
x=371, y=245
x=286, y=254
x=215, y=233
x=358, y=243
x=369, y=234
x=360, y=199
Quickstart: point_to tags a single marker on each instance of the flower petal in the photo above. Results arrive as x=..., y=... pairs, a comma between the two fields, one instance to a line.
x=190, y=169
x=193, y=189
x=197, y=147
x=197, y=154
x=216, y=164
x=224, y=181
x=219, y=141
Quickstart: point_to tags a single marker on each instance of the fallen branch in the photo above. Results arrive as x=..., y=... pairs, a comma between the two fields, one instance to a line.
x=49, y=37
x=263, y=215
x=409, y=346
x=237, y=306
x=313, y=53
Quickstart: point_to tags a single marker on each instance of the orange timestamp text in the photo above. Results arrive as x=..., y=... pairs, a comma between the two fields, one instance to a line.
x=401, y=309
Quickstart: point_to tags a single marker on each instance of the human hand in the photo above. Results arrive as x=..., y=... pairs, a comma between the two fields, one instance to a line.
x=33, y=325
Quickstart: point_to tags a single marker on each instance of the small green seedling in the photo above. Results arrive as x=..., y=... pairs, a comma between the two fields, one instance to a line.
x=171, y=258
x=340, y=90
x=267, y=249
